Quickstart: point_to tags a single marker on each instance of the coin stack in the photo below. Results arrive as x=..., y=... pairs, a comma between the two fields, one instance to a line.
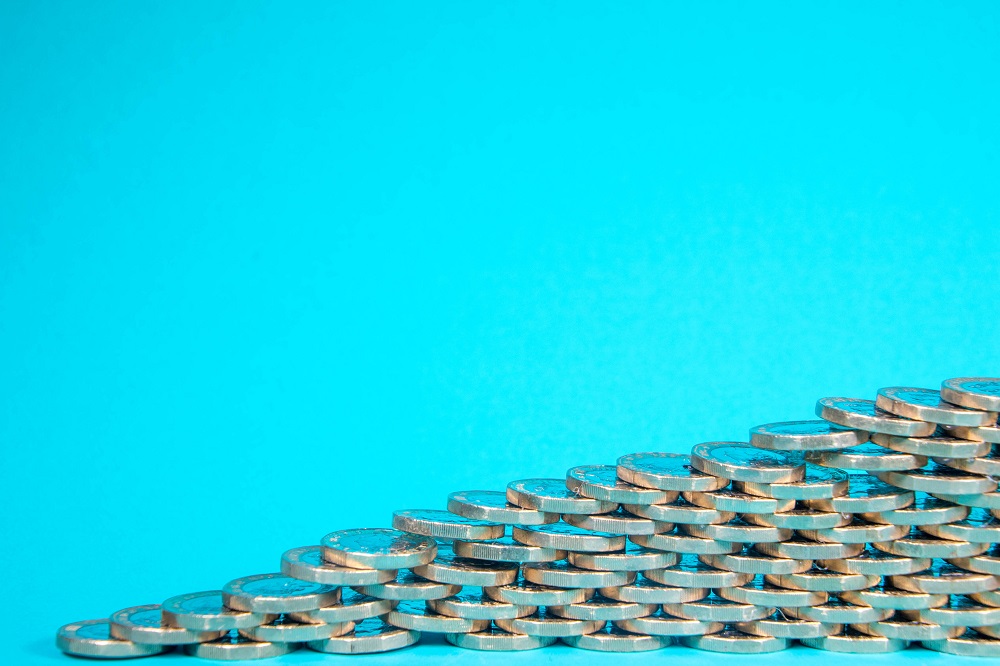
x=869, y=531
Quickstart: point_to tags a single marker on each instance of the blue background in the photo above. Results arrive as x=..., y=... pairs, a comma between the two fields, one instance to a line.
x=271, y=271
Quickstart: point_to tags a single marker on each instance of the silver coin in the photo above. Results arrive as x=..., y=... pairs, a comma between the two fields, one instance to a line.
x=799, y=519
x=779, y=625
x=821, y=580
x=858, y=531
x=373, y=635
x=563, y=536
x=885, y=597
x=234, y=647
x=409, y=586
x=873, y=562
x=632, y=558
x=284, y=629
x=980, y=435
x=925, y=510
x=982, y=393
x=926, y=405
x=989, y=501
x=680, y=511
x=545, y=623
x=553, y=496
x=750, y=561
x=739, y=461
x=307, y=563
x=677, y=542
x=144, y=624
x=451, y=569
x=868, y=458
x=666, y=471
x=526, y=593
x=918, y=544
x=418, y=616
x=492, y=506
x=496, y=639
x=736, y=502
x=664, y=624
x=866, y=494
x=473, y=604
x=739, y=531
x=838, y=611
x=988, y=465
x=377, y=548
x=277, y=593
x=92, y=638
x=988, y=598
x=959, y=611
x=714, y=608
x=445, y=525
x=986, y=562
x=506, y=549
x=979, y=526
x=939, y=479
x=646, y=591
x=945, y=578
x=803, y=549
x=865, y=415
x=613, y=639
x=817, y=483
x=601, y=482
x=734, y=641
x=852, y=641
x=908, y=630
x=603, y=609
x=205, y=611
x=759, y=592
x=618, y=522
x=353, y=607
x=805, y=436
x=692, y=572
x=564, y=574
x=969, y=644
x=940, y=445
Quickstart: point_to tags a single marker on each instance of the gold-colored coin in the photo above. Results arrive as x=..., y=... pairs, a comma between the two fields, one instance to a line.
x=866, y=415
x=492, y=506
x=805, y=436
x=925, y=510
x=506, y=549
x=988, y=465
x=737, y=502
x=982, y=393
x=563, y=536
x=804, y=549
x=526, y=593
x=369, y=636
x=750, y=561
x=920, y=545
x=666, y=471
x=284, y=629
x=408, y=586
x=664, y=624
x=739, y=461
x=445, y=525
x=144, y=624
x=945, y=578
x=817, y=483
x=603, y=609
x=986, y=562
x=926, y=405
x=969, y=644
x=353, y=607
x=92, y=638
x=779, y=625
x=420, y=616
x=874, y=562
x=632, y=558
x=552, y=496
x=714, y=608
x=647, y=591
x=866, y=493
x=618, y=522
x=692, y=572
x=234, y=647
x=855, y=642
x=979, y=526
x=474, y=604
x=940, y=480
x=732, y=640
x=614, y=639
x=800, y=519
x=858, y=531
x=959, y=611
x=941, y=444
x=761, y=593
x=886, y=597
x=601, y=482
x=820, y=580
x=453, y=570
x=676, y=542
x=838, y=611
x=564, y=574
x=867, y=458
x=545, y=623
x=739, y=531
x=680, y=511
x=495, y=639
x=908, y=630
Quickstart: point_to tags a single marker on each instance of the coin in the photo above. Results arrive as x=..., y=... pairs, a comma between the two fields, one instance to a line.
x=866, y=494
x=805, y=436
x=918, y=544
x=940, y=445
x=959, y=611
x=982, y=393
x=817, y=483
x=494, y=638
x=692, y=572
x=988, y=465
x=734, y=641
x=780, y=626
x=714, y=608
x=838, y=611
x=737, y=502
x=926, y=405
x=738, y=461
x=449, y=568
x=377, y=548
x=759, y=592
x=92, y=638
x=925, y=510
x=858, y=531
x=677, y=542
x=604, y=609
x=750, y=561
x=908, y=630
x=353, y=607
x=613, y=639
x=664, y=624
x=563, y=536
x=886, y=597
x=989, y=501
x=445, y=525
x=473, y=604
x=564, y=574
x=526, y=593
x=850, y=640
x=873, y=562
x=646, y=591
x=739, y=531
x=144, y=624
x=553, y=496
x=409, y=586
x=666, y=471
x=632, y=558
x=234, y=647
x=945, y=578
x=969, y=644
x=980, y=435
x=506, y=549
x=800, y=519
x=284, y=629
x=978, y=527
x=545, y=623
x=492, y=506
x=372, y=635
x=986, y=562
x=680, y=511
x=618, y=522
x=601, y=482
x=988, y=598
x=307, y=563
x=277, y=593
x=204, y=611
x=803, y=549
x=417, y=615
x=820, y=580
x=865, y=415
x=939, y=479
x=868, y=458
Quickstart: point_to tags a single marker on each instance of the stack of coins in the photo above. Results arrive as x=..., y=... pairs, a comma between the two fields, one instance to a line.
x=873, y=529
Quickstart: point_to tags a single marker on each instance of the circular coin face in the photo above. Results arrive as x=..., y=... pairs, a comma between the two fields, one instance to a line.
x=805, y=436
x=982, y=393
x=926, y=405
x=277, y=593
x=865, y=415
x=666, y=471
x=741, y=462
x=92, y=638
x=377, y=548
x=205, y=611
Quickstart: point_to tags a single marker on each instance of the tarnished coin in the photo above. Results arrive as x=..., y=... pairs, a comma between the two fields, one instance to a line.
x=939, y=479
x=800, y=519
x=205, y=611
x=692, y=572
x=618, y=522
x=496, y=639
x=677, y=542
x=564, y=574
x=739, y=531
x=664, y=624
x=886, y=597
x=492, y=506
x=526, y=593
x=979, y=526
x=373, y=635
x=822, y=580
x=614, y=639
x=545, y=623
x=865, y=415
x=959, y=611
x=926, y=405
x=837, y=610
x=981, y=435
x=234, y=647
x=939, y=445
x=988, y=465
x=680, y=511
x=666, y=471
x=601, y=482
x=646, y=591
x=858, y=531
x=969, y=644
x=144, y=624
x=908, y=630
x=738, y=461
x=750, y=561
x=873, y=562
x=563, y=536
x=92, y=638
x=779, y=625
x=805, y=436
x=417, y=615
x=284, y=629
x=449, y=568
x=604, y=609
x=632, y=558
x=445, y=525
x=804, y=549
x=925, y=510
x=945, y=578
x=552, y=495
x=506, y=549
x=817, y=483
x=759, y=592
x=714, y=608
x=353, y=607
x=866, y=494
x=307, y=563
x=277, y=593
x=919, y=544
x=852, y=641
x=986, y=562
x=408, y=586
x=982, y=393
x=377, y=548
x=734, y=641
x=473, y=604
x=736, y=502
x=867, y=458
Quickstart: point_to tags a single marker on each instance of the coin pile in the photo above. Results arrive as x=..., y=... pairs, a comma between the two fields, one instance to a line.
x=871, y=530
